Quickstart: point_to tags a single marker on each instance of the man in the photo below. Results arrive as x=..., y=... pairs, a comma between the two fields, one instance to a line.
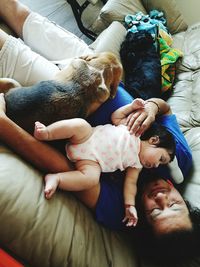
x=106, y=198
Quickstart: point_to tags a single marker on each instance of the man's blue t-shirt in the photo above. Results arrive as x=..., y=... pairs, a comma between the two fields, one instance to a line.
x=110, y=205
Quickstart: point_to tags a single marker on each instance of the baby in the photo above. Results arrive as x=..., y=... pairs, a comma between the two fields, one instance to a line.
x=106, y=148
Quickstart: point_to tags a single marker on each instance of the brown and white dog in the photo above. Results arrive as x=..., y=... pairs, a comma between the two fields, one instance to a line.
x=76, y=91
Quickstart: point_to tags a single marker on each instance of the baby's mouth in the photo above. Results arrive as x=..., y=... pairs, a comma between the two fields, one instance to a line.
x=148, y=165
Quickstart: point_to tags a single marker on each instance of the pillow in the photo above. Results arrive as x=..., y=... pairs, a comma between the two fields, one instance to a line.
x=116, y=10
x=175, y=21
x=110, y=39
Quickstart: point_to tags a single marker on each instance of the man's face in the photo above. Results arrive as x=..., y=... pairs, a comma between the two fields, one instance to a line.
x=164, y=207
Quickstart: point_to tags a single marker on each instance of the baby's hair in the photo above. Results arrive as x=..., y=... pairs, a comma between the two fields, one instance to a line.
x=166, y=139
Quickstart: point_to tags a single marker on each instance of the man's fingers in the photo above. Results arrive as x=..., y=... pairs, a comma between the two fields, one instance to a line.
x=145, y=125
x=141, y=129
x=136, y=123
x=133, y=117
x=141, y=124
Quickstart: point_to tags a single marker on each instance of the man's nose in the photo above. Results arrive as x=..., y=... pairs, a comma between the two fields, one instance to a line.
x=161, y=198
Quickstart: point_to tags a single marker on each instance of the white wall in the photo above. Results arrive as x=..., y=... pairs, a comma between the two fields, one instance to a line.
x=190, y=10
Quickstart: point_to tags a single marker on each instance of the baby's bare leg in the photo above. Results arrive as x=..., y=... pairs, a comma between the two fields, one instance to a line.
x=14, y=14
x=77, y=130
x=86, y=176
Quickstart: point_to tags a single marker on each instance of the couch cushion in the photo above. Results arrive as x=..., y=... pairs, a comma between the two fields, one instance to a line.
x=175, y=21
x=110, y=39
x=56, y=232
x=118, y=9
x=185, y=102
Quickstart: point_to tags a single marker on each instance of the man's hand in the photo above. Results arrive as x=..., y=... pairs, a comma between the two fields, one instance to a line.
x=141, y=117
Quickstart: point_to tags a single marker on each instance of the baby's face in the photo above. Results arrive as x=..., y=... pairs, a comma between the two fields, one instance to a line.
x=152, y=156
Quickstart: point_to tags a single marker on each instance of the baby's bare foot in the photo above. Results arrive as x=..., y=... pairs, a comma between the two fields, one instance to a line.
x=51, y=183
x=40, y=131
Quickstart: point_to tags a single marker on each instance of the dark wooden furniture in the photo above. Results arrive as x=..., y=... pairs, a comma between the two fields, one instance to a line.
x=78, y=10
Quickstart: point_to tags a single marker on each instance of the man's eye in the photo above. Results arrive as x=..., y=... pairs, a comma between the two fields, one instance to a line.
x=174, y=205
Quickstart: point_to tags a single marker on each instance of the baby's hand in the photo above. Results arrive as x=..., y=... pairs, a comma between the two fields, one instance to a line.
x=130, y=215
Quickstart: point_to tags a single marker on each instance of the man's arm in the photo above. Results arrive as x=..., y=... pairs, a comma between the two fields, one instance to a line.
x=140, y=120
x=39, y=154
x=120, y=115
x=161, y=107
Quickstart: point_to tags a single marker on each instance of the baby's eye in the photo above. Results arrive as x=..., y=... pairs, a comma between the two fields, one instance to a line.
x=163, y=160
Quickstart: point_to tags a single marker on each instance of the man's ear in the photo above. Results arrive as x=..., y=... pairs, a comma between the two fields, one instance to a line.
x=154, y=140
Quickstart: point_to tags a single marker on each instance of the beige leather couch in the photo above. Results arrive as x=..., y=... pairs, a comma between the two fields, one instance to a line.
x=62, y=232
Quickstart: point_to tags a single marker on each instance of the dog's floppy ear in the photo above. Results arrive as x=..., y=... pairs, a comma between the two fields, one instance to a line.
x=117, y=74
x=111, y=67
x=112, y=72
x=102, y=91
